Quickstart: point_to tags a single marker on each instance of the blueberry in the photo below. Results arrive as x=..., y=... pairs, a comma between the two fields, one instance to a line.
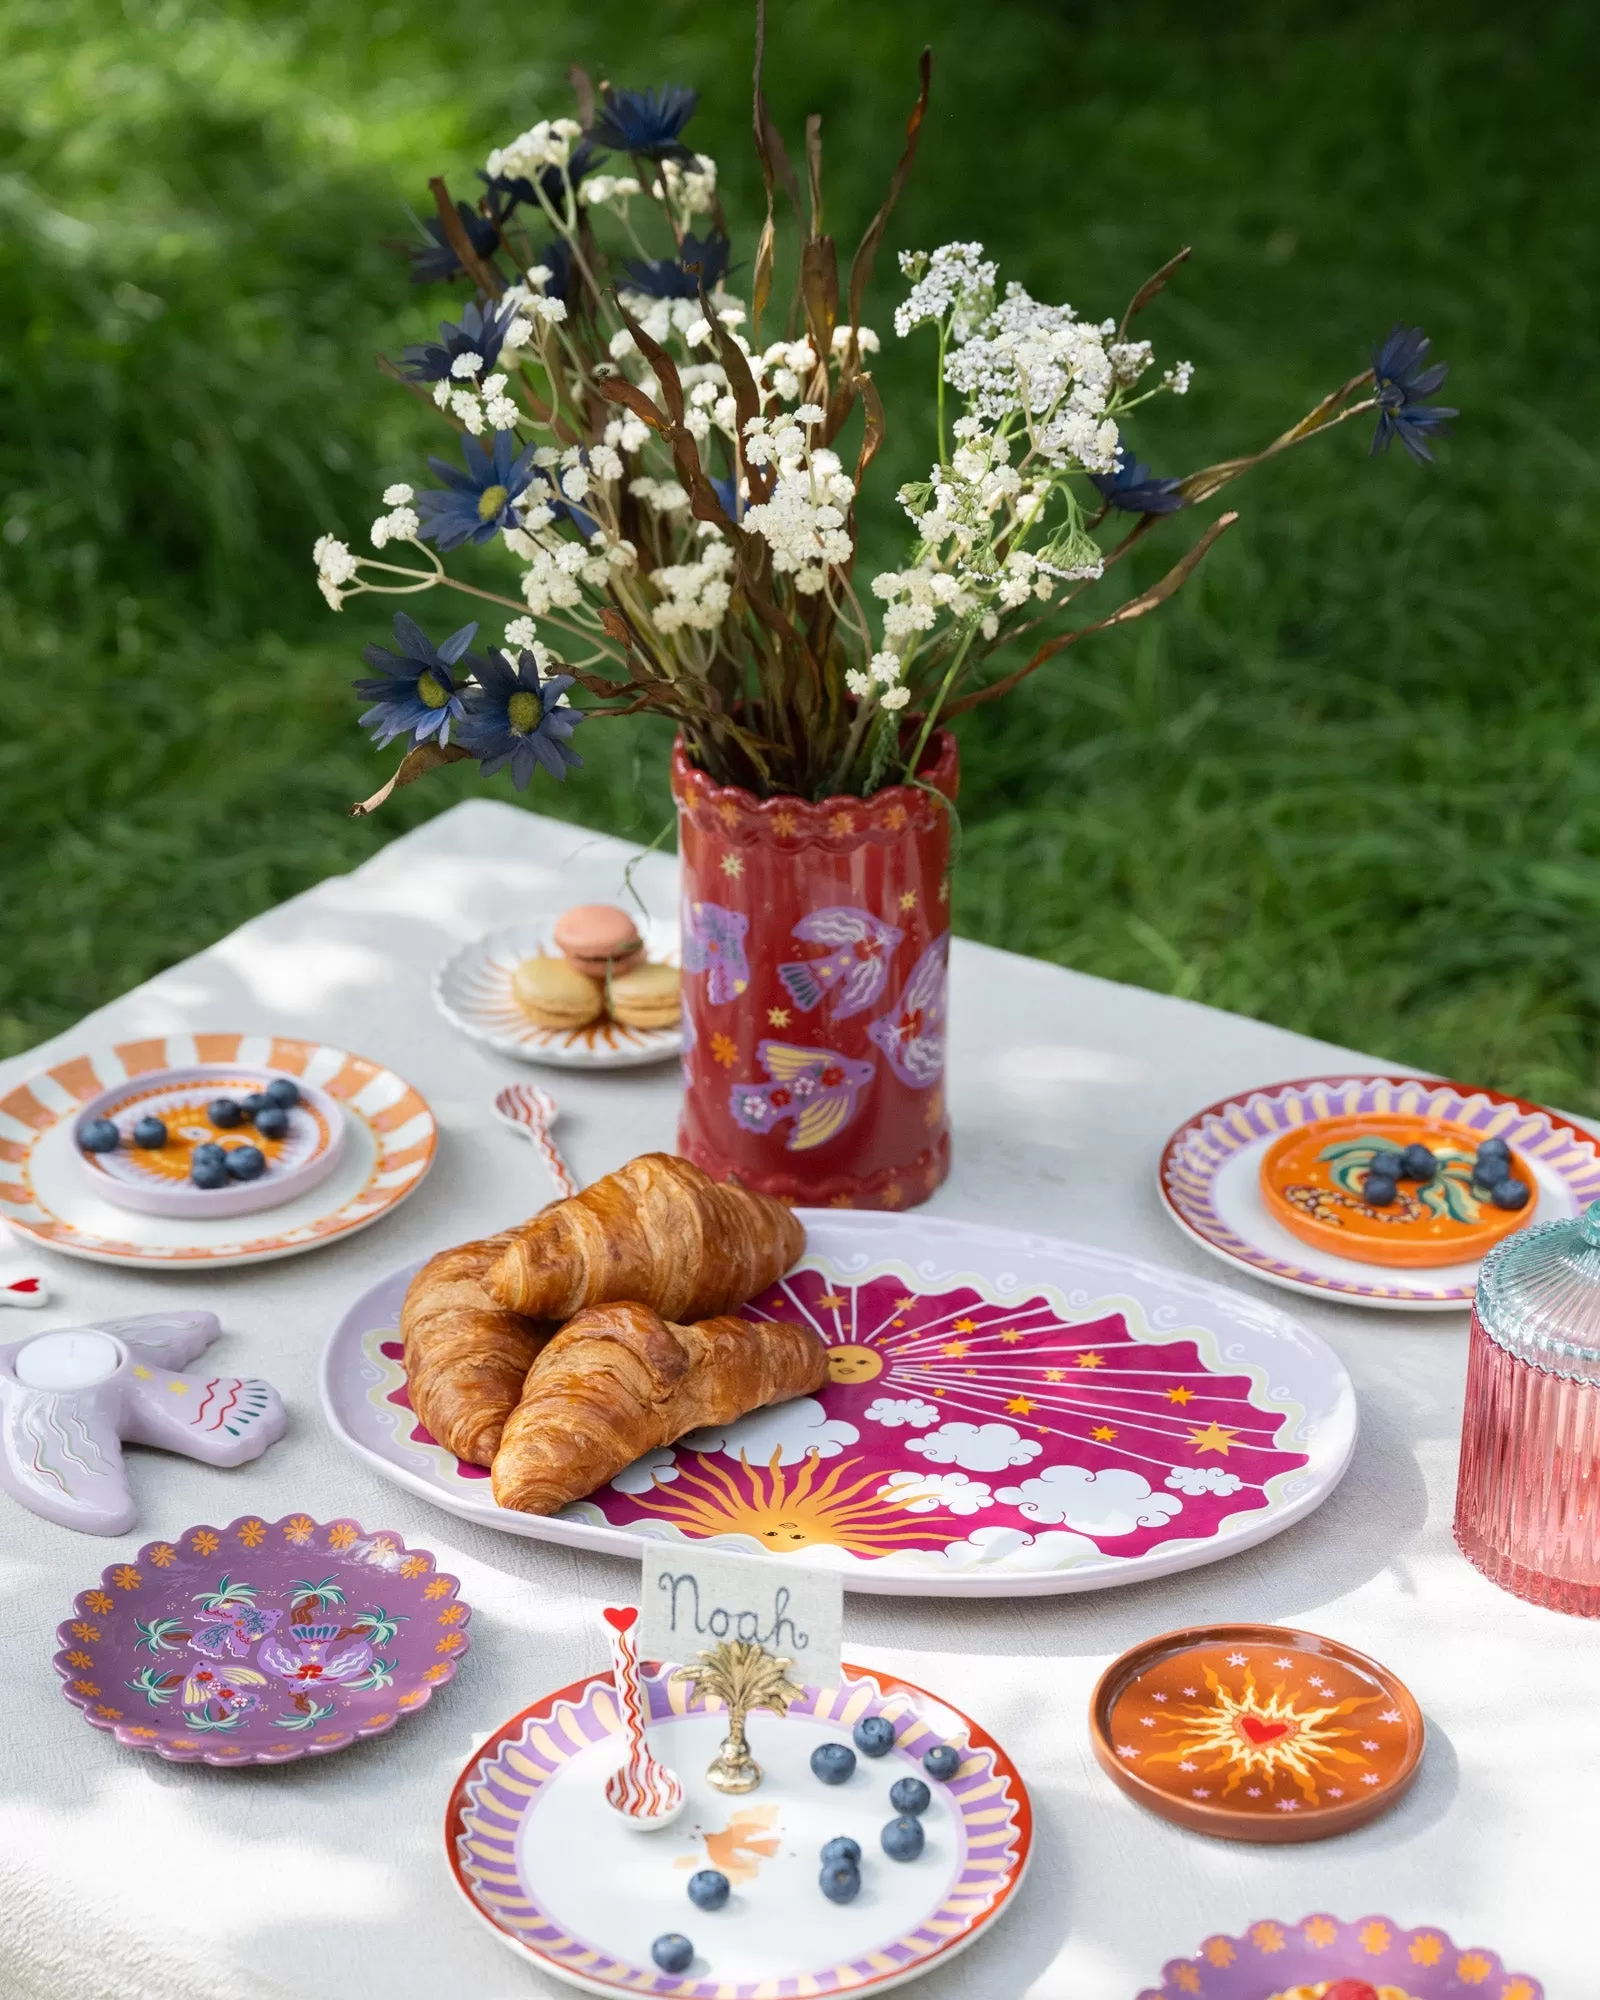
x=209, y=1150
x=258, y=1100
x=246, y=1163
x=1510, y=1193
x=839, y=1881
x=833, y=1763
x=207, y=1173
x=150, y=1133
x=708, y=1889
x=99, y=1136
x=942, y=1762
x=873, y=1735
x=284, y=1092
x=224, y=1113
x=1420, y=1163
x=1483, y=1189
x=909, y=1796
x=843, y=1848
x=272, y=1121
x=1378, y=1190
x=672, y=1952
x=903, y=1838
x=1388, y=1163
x=1494, y=1149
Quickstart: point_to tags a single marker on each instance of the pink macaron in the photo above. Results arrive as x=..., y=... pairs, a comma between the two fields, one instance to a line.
x=599, y=939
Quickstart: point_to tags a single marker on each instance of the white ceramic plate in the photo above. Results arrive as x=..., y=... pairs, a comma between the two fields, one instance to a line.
x=549, y=1867
x=1007, y=1415
x=473, y=992
x=389, y=1144
x=1210, y=1177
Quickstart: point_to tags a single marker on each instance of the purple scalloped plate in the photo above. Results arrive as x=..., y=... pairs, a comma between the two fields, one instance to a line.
x=262, y=1641
x=1273, y=1957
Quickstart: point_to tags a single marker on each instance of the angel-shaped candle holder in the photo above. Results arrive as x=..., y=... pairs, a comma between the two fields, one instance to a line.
x=641, y=1788
x=742, y=1675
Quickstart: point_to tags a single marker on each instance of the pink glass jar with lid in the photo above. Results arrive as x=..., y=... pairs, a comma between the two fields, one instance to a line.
x=1528, y=1492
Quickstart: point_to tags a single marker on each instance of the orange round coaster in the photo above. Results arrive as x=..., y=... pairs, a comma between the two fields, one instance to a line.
x=1312, y=1178
x=1256, y=1732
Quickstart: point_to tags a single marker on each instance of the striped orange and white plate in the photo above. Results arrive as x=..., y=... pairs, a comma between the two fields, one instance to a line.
x=390, y=1139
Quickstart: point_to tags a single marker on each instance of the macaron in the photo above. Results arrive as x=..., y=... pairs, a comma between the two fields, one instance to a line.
x=598, y=939
x=554, y=994
x=650, y=997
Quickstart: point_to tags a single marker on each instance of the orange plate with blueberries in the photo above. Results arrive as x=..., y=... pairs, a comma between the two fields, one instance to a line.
x=1256, y=1732
x=1326, y=1183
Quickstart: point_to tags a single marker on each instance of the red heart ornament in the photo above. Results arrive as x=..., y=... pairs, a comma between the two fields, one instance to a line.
x=23, y=1285
x=1262, y=1732
x=621, y=1617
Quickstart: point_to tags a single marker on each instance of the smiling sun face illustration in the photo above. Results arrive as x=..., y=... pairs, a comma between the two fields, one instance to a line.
x=854, y=1364
x=786, y=1507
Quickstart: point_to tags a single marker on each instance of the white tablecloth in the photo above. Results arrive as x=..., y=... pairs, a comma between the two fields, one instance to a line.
x=124, y=1878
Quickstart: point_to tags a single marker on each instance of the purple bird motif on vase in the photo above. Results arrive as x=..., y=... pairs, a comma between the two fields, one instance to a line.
x=853, y=973
x=815, y=1088
x=911, y=1034
x=713, y=942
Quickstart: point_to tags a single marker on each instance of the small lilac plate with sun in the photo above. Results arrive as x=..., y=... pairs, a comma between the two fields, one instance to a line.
x=262, y=1641
x=1274, y=1960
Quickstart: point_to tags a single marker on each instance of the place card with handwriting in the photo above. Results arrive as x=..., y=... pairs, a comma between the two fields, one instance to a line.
x=691, y=1598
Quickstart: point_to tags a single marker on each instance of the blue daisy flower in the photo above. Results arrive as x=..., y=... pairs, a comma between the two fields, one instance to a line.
x=1404, y=380
x=514, y=718
x=481, y=333
x=415, y=692
x=476, y=504
x=647, y=123
x=698, y=262
x=1134, y=489
x=436, y=260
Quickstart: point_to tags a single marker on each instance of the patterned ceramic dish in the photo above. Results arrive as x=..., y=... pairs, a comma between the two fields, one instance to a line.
x=157, y=1182
x=473, y=992
x=1210, y=1179
x=540, y=1856
x=1006, y=1415
x=1256, y=1732
x=389, y=1141
x=262, y=1641
x=1297, y=1961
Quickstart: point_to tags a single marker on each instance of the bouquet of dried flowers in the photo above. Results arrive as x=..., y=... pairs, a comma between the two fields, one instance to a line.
x=672, y=482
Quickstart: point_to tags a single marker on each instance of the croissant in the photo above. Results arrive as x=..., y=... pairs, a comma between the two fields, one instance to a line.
x=660, y=1232
x=465, y=1356
x=619, y=1380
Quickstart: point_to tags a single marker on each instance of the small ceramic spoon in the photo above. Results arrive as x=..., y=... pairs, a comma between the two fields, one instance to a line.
x=532, y=1111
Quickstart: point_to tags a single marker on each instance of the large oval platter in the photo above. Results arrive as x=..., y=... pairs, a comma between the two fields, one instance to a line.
x=549, y=1867
x=1007, y=1415
x=389, y=1142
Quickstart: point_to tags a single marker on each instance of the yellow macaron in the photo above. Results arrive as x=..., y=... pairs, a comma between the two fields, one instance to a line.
x=554, y=994
x=649, y=997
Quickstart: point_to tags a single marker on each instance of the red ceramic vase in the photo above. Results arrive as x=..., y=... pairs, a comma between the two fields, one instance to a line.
x=815, y=947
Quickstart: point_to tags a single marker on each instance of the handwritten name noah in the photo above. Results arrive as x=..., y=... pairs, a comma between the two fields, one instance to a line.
x=780, y=1635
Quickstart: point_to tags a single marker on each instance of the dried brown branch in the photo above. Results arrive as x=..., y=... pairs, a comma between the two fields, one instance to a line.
x=1212, y=478
x=414, y=764
x=1152, y=288
x=867, y=250
x=484, y=274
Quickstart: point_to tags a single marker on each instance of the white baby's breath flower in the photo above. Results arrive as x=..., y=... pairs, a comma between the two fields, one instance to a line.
x=698, y=333
x=1129, y=359
x=399, y=526
x=335, y=566
x=885, y=667
x=895, y=697
x=552, y=310
x=989, y=625
x=858, y=683
x=521, y=635
x=465, y=366
x=604, y=462
x=1178, y=379
x=468, y=410
x=809, y=414
x=866, y=340
x=955, y=283
x=398, y=496
x=441, y=393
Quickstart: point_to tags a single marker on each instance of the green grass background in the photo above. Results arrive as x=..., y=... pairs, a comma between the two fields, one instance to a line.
x=1347, y=782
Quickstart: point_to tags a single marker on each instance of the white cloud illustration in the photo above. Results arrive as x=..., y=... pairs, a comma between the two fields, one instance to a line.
x=790, y=1429
x=978, y=1447
x=1112, y=1502
x=895, y=1411
x=1193, y=1479
x=926, y=1492
x=656, y=1467
x=1013, y=1549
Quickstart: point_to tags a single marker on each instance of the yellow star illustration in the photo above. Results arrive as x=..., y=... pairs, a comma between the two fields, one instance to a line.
x=732, y=864
x=954, y=1348
x=1055, y=1374
x=1213, y=1438
x=783, y=824
x=142, y=1372
x=1102, y=1434
x=938, y=1393
x=904, y=1305
x=1180, y=1395
x=969, y=1371
x=178, y=1388
x=1091, y=1361
x=1010, y=1336
x=831, y=1301
x=964, y=1326
x=1019, y=1406
x=908, y=899
x=778, y=1017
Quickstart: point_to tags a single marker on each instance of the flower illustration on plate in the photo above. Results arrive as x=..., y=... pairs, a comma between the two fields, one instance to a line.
x=204, y=1543
x=341, y=1535
x=96, y=1600
x=253, y=1534
x=298, y=1530
x=163, y=1554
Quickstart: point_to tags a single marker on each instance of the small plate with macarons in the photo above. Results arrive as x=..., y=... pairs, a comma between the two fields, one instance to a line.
x=590, y=989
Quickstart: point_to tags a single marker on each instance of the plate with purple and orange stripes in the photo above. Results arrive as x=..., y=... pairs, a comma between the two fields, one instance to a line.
x=388, y=1143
